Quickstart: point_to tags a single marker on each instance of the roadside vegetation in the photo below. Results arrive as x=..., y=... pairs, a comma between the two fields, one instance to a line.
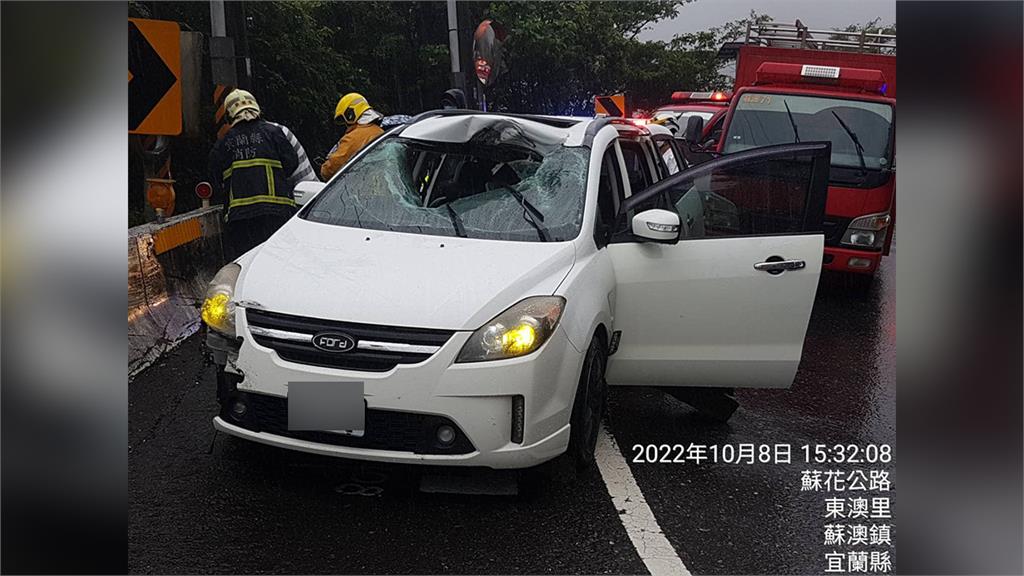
x=558, y=56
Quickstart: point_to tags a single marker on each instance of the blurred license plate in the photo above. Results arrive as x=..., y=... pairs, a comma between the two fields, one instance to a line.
x=327, y=407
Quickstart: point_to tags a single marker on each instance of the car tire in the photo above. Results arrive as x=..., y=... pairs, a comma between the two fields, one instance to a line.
x=588, y=407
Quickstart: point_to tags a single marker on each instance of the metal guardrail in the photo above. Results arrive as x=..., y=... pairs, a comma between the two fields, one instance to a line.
x=169, y=265
x=780, y=35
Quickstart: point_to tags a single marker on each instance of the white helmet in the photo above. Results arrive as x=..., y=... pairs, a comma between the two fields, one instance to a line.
x=239, y=101
x=668, y=120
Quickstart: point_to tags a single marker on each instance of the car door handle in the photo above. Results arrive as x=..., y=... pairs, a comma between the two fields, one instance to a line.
x=778, y=266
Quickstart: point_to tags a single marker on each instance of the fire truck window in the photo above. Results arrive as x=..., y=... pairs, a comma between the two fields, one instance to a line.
x=716, y=132
x=860, y=132
x=757, y=199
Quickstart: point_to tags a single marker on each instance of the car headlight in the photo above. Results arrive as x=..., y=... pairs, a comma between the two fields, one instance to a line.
x=867, y=231
x=219, y=307
x=518, y=331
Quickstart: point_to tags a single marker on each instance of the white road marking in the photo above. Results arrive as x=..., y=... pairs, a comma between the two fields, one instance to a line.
x=654, y=549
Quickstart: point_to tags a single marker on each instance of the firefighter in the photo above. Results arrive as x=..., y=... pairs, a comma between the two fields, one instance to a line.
x=254, y=168
x=362, y=126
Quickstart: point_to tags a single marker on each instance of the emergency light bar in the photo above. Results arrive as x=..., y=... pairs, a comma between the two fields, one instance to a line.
x=637, y=124
x=864, y=79
x=717, y=96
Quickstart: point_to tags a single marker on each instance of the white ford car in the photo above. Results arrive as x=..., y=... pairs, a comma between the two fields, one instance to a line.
x=465, y=289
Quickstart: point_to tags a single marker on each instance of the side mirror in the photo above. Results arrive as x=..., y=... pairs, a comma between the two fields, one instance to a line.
x=657, y=225
x=306, y=190
x=694, y=129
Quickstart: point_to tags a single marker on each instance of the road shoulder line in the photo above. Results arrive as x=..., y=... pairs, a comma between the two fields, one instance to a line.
x=636, y=516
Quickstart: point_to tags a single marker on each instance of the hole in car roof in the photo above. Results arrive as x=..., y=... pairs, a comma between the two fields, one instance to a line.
x=460, y=129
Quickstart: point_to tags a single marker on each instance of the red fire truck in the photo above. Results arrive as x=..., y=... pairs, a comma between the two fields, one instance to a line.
x=793, y=85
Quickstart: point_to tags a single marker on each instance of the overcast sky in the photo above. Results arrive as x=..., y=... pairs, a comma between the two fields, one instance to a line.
x=816, y=14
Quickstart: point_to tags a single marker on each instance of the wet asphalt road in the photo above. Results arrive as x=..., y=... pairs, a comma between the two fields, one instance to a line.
x=204, y=502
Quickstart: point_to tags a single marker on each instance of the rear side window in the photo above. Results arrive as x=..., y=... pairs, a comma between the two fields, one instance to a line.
x=671, y=161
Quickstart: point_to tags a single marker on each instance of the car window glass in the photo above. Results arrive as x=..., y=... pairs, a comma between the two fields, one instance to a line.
x=672, y=163
x=753, y=199
x=609, y=190
x=634, y=155
x=715, y=133
x=858, y=130
x=636, y=166
x=484, y=188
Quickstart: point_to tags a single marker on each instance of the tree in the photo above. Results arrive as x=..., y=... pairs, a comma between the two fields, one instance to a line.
x=560, y=55
x=306, y=55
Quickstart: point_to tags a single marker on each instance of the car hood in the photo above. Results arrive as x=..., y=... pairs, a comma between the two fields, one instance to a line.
x=398, y=279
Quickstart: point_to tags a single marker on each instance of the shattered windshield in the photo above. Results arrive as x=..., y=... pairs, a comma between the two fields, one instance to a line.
x=493, y=186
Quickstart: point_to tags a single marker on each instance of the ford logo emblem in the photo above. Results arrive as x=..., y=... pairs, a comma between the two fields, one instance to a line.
x=334, y=342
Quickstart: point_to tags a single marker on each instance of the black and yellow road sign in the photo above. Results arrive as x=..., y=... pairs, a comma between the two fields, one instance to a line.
x=220, y=117
x=614, y=105
x=154, y=77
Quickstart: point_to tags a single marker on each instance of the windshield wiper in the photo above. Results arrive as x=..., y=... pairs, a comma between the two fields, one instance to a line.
x=460, y=230
x=530, y=213
x=856, y=142
x=792, y=122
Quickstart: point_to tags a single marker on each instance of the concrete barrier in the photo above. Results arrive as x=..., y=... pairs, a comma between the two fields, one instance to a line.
x=169, y=266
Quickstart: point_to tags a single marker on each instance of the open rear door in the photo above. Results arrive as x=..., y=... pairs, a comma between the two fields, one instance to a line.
x=728, y=305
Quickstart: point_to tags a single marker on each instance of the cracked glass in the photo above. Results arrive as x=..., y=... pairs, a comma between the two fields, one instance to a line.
x=499, y=184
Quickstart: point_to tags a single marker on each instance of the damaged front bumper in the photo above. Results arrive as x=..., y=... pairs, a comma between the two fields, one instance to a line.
x=406, y=405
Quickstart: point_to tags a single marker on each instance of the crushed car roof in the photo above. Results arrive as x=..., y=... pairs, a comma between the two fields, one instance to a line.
x=460, y=126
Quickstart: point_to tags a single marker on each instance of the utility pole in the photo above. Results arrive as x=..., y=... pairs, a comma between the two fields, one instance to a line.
x=218, y=23
x=222, y=48
x=234, y=14
x=243, y=33
x=458, y=79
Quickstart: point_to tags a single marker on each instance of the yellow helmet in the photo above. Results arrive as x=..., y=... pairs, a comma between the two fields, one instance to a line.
x=239, y=100
x=350, y=108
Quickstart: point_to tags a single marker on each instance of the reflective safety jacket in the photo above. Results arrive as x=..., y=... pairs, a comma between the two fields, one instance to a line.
x=350, y=144
x=250, y=169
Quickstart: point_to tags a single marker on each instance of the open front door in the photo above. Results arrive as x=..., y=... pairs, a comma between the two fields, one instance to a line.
x=728, y=304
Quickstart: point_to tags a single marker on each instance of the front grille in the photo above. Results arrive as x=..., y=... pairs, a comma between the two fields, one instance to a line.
x=834, y=229
x=385, y=429
x=356, y=359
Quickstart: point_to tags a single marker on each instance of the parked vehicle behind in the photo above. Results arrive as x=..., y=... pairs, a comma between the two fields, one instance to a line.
x=709, y=107
x=800, y=85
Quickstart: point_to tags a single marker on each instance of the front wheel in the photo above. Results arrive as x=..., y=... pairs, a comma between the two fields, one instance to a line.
x=588, y=407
